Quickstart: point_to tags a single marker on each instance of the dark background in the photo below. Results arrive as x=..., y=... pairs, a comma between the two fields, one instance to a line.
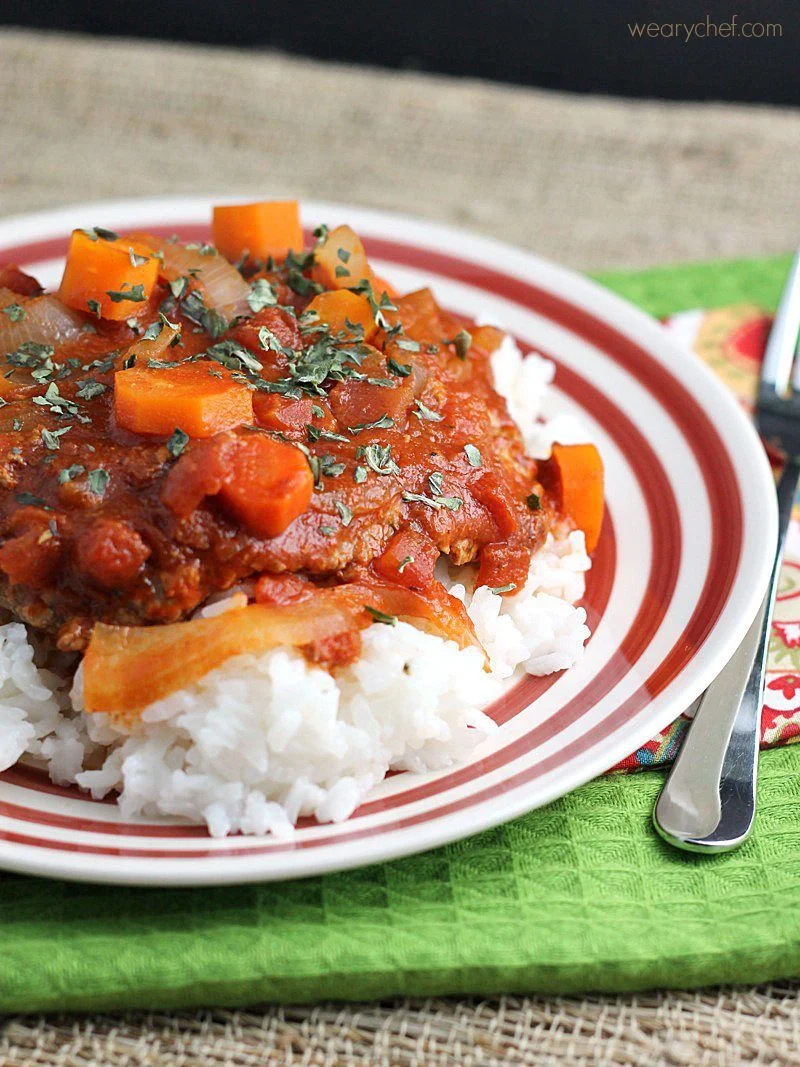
x=579, y=45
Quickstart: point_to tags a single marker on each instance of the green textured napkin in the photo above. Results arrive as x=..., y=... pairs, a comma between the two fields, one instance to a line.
x=578, y=896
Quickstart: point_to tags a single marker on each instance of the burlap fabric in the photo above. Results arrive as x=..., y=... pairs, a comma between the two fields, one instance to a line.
x=591, y=182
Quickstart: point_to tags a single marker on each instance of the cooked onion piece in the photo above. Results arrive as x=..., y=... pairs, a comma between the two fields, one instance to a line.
x=43, y=320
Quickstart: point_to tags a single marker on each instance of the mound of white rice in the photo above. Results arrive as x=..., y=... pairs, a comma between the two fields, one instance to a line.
x=263, y=740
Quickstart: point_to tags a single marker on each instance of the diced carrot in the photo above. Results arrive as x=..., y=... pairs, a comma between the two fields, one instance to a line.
x=419, y=314
x=270, y=485
x=574, y=474
x=199, y=398
x=112, y=279
x=409, y=559
x=269, y=228
x=275, y=412
x=381, y=286
x=341, y=262
x=342, y=310
x=487, y=338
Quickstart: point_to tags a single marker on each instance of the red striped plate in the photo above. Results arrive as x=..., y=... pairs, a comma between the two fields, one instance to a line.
x=679, y=572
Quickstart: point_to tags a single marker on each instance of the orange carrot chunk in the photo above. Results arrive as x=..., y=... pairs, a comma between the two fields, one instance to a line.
x=270, y=484
x=269, y=228
x=575, y=476
x=112, y=279
x=344, y=312
x=340, y=262
x=199, y=398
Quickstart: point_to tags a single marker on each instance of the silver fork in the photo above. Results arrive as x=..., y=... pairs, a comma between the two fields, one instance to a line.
x=708, y=802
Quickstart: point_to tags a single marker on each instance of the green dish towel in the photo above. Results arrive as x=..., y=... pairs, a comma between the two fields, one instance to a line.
x=579, y=896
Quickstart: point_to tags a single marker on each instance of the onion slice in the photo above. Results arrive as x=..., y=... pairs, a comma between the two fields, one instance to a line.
x=128, y=667
x=43, y=320
x=223, y=288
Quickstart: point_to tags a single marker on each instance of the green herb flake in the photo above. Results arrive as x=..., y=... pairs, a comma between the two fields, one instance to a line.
x=261, y=295
x=69, y=474
x=327, y=531
x=16, y=312
x=134, y=293
x=88, y=389
x=500, y=589
x=533, y=501
x=136, y=259
x=98, y=480
x=94, y=307
x=50, y=438
x=462, y=342
x=473, y=455
x=385, y=422
x=345, y=514
x=177, y=442
x=402, y=370
x=404, y=563
x=425, y=413
x=381, y=616
x=360, y=474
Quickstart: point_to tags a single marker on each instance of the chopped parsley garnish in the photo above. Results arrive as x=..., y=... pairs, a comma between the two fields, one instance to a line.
x=329, y=467
x=98, y=231
x=385, y=422
x=473, y=456
x=98, y=480
x=301, y=285
x=233, y=356
x=68, y=474
x=452, y=503
x=178, y=287
x=378, y=458
x=462, y=342
x=134, y=293
x=436, y=482
x=261, y=295
x=94, y=307
x=29, y=500
x=340, y=271
x=360, y=475
x=425, y=413
x=314, y=434
x=533, y=501
x=16, y=312
x=345, y=514
x=381, y=616
x=407, y=344
x=404, y=563
x=136, y=259
x=177, y=442
x=50, y=438
x=89, y=389
x=195, y=309
x=402, y=370
x=498, y=589
x=327, y=531
x=343, y=255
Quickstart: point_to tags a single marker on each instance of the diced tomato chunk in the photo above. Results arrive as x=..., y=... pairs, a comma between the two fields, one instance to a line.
x=409, y=559
x=31, y=556
x=263, y=483
x=279, y=322
x=357, y=403
x=275, y=412
x=111, y=553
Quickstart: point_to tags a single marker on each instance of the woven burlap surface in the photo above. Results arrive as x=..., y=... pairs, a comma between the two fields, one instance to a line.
x=591, y=182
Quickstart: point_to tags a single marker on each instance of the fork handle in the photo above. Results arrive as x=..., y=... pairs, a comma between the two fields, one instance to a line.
x=708, y=801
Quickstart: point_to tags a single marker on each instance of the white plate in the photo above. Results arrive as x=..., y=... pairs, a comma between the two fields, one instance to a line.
x=680, y=570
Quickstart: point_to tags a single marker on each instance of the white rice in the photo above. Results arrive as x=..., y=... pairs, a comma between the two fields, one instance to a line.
x=264, y=740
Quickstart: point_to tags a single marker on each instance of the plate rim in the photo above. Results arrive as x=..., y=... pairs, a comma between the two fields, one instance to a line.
x=577, y=289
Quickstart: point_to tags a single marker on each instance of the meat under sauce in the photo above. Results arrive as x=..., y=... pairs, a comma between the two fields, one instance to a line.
x=412, y=453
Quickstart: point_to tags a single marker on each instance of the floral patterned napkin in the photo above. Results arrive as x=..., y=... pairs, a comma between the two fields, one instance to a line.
x=731, y=341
